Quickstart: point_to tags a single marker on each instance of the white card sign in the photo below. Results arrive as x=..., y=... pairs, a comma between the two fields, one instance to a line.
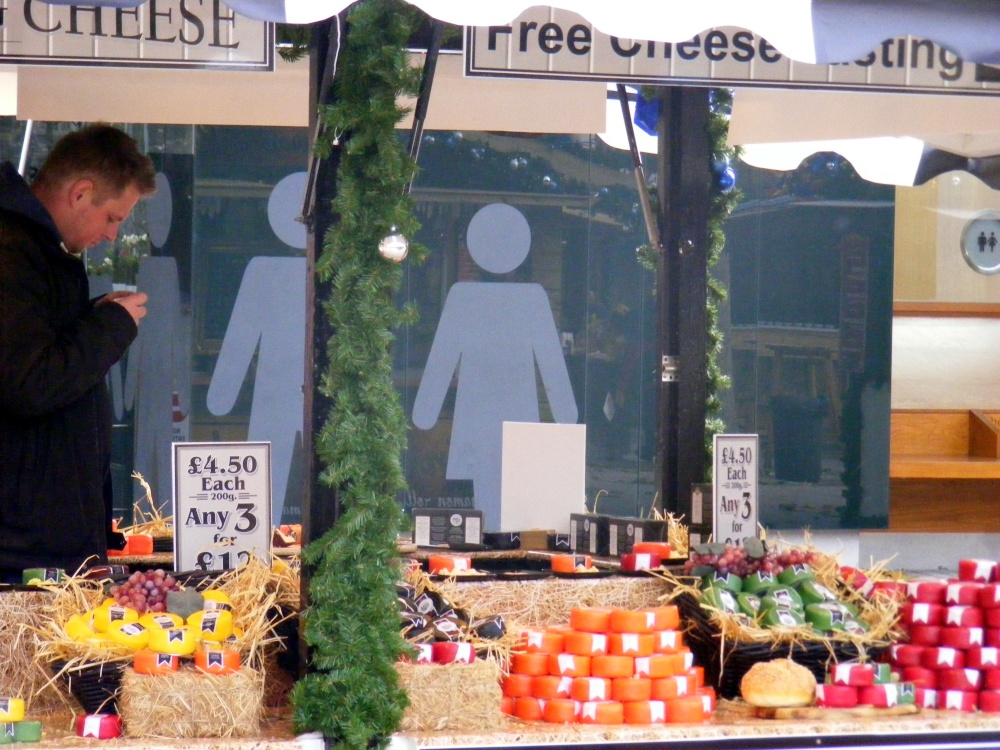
x=734, y=487
x=222, y=504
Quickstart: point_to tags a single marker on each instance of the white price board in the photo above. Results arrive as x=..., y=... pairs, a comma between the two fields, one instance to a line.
x=734, y=487
x=222, y=504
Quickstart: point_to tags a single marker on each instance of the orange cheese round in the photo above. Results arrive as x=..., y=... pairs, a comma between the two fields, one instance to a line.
x=631, y=621
x=217, y=660
x=590, y=689
x=698, y=673
x=507, y=705
x=528, y=709
x=139, y=544
x=669, y=688
x=663, y=549
x=668, y=641
x=559, y=711
x=445, y=564
x=687, y=709
x=601, y=712
x=590, y=619
x=150, y=662
x=571, y=563
x=540, y=642
x=630, y=644
x=657, y=666
x=667, y=617
x=521, y=662
x=612, y=666
x=626, y=689
x=569, y=665
x=516, y=685
x=645, y=712
x=585, y=644
x=548, y=686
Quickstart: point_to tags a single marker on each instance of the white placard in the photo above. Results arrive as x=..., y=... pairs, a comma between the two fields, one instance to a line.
x=222, y=504
x=734, y=487
x=543, y=475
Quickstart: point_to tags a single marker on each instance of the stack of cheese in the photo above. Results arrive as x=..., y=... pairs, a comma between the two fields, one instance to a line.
x=850, y=684
x=13, y=726
x=608, y=666
x=953, y=628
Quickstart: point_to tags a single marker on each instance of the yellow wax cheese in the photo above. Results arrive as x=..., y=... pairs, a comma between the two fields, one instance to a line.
x=11, y=709
x=212, y=626
x=78, y=628
x=130, y=634
x=180, y=641
x=104, y=616
x=161, y=620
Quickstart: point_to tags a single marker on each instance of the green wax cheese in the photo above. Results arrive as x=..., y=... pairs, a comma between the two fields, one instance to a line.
x=42, y=575
x=184, y=603
x=28, y=731
x=720, y=598
x=906, y=694
x=7, y=732
x=826, y=616
x=780, y=597
x=883, y=673
x=856, y=626
x=795, y=574
x=749, y=604
x=755, y=583
x=813, y=592
x=777, y=616
x=728, y=581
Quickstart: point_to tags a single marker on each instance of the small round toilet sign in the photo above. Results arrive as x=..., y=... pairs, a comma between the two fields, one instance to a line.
x=981, y=242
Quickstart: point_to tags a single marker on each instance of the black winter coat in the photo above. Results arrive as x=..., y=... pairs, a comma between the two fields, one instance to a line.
x=56, y=347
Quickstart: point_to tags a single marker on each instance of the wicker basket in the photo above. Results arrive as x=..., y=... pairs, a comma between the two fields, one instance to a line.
x=95, y=686
x=726, y=661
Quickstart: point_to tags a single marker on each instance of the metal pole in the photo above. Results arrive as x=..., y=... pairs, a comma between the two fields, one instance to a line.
x=25, y=147
x=427, y=80
x=640, y=175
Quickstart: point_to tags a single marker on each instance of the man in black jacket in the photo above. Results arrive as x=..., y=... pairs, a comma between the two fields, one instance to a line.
x=57, y=345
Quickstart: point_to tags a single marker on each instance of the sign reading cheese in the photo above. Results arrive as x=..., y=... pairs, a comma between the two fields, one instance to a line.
x=551, y=43
x=156, y=34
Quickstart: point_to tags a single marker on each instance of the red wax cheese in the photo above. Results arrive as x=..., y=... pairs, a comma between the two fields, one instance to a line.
x=982, y=657
x=961, y=638
x=854, y=674
x=449, y=652
x=858, y=580
x=989, y=701
x=991, y=637
x=989, y=596
x=905, y=654
x=965, y=617
x=925, y=697
x=884, y=695
x=889, y=589
x=424, y=654
x=663, y=549
x=957, y=700
x=991, y=679
x=920, y=613
x=991, y=618
x=921, y=677
x=940, y=657
x=836, y=696
x=926, y=592
x=925, y=635
x=976, y=570
x=964, y=593
x=99, y=726
x=640, y=561
x=959, y=679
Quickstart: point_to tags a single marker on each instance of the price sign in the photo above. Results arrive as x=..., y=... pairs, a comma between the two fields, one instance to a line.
x=734, y=487
x=222, y=504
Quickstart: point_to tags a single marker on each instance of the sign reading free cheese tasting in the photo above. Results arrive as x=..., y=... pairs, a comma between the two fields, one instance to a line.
x=222, y=504
x=156, y=34
x=551, y=43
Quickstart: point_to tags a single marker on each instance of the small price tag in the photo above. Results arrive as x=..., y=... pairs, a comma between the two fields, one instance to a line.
x=222, y=504
x=734, y=487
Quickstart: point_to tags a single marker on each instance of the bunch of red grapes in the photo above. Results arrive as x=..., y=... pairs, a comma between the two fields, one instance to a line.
x=145, y=592
x=735, y=559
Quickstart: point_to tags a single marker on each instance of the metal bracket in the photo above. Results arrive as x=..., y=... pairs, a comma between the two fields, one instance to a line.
x=669, y=365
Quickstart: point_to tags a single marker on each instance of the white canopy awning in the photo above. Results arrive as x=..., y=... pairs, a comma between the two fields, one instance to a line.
x=805, y=30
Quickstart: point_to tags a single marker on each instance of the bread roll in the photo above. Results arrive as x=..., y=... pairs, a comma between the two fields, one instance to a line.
x=778, y=683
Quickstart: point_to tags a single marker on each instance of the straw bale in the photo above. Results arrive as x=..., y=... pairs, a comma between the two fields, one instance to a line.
x=549, y=601
x=454, y=696
x=22, y=674
x=188, y=703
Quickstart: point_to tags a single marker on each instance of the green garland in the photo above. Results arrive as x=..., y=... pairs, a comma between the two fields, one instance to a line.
x=352, y=695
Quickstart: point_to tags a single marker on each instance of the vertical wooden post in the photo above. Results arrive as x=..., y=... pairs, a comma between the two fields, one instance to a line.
x=684, y=177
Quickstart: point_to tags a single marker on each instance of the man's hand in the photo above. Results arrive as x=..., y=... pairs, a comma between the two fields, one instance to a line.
x=134, y=302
